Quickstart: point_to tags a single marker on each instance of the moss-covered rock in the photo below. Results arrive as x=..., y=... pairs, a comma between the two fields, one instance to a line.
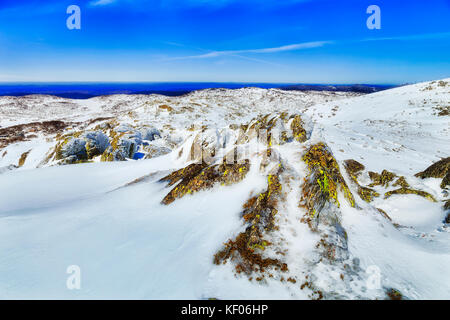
x=320, y=200
x=187, y=173
x=353, y=167
x=367, y=194
x=96, y=143
x=297, y=127
x=196, y=177
x=401, y=182
x=324, y=180
x=23, y=158
x=276, y=129
x=447, y=210
x=384, y=214
x=259, y=215
x=79, y=147
x=394, y=294
x=124, y=142
x=440, y=169
x=446, y=180
x=421, y=193
x=447, y=205
x=382, y=179
x=72, y=150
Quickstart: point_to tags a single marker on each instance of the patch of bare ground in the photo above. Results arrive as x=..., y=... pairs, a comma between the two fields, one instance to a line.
x=25, y=132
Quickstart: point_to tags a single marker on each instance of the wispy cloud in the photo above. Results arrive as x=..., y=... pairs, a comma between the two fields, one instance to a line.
x=290, y=47
x=301, y=46
x=422, y=36
x=189, y=4
x=101, y=2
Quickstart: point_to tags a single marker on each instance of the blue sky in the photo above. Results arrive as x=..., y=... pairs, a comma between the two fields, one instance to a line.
x=292, y=41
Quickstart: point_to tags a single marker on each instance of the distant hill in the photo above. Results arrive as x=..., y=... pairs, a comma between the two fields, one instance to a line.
x=360, y=88
x=89, y=90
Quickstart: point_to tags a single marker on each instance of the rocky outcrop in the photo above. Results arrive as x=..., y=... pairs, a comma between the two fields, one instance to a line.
x=80, y=147
x=108, y=141
x=440, y=169
x=259, y=215
x=320, y=199
x=197, y=177
x=354, y=168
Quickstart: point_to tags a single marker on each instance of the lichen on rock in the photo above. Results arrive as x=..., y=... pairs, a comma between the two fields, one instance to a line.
x=196, y=177
x=324, y=180
x=382, y=179
x=320, y=199
x=367, y=194
x=402, y=190
x=79, y=147
x=394, y=294
x=384, y=214
x=353, y=169
x=23, y=158
x=297, y=127
x=440, y=169
x=259, y=215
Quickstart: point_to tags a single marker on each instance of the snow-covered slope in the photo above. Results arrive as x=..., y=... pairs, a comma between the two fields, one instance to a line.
x=295, y=221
